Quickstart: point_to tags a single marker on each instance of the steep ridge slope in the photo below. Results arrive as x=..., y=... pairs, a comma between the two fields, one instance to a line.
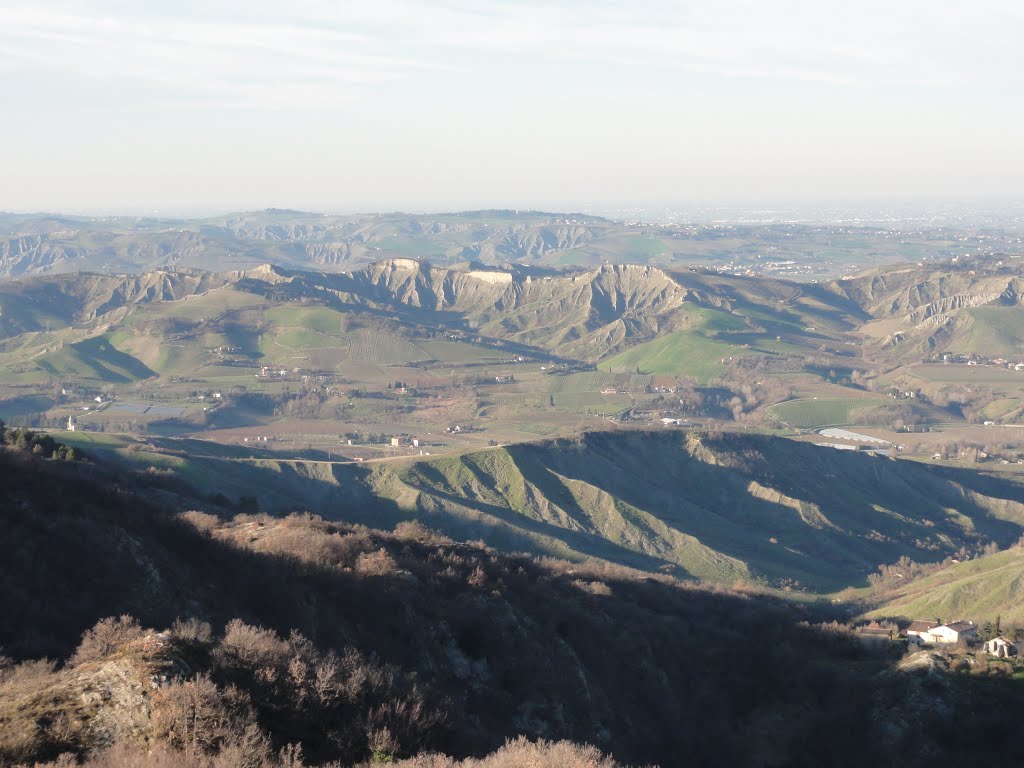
x=59, y=300
x=580, y=313
x=720, y=507
x=924, y=310
x=583, y=314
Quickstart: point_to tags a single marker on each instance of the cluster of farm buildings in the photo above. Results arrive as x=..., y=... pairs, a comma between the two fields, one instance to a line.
x=922, y=632
x=974, y=359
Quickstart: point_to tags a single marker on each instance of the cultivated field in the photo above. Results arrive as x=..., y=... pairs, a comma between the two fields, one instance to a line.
x=811, y=414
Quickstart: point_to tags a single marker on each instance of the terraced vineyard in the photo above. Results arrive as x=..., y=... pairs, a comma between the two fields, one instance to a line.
x=1003, y=408
x=459, y=353
x=593, y=402
x=382, y=348
x=683, y=353
x=319, y=319
x=530, y=399
x=578, y=383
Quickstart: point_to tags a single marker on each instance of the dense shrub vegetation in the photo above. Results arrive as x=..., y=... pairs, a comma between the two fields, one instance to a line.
x=38, y=443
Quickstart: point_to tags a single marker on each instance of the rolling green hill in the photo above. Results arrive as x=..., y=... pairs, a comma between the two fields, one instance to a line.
x=980, y=589
x=700, y=351
x=95, y=359
x=993, y=331
x=682, y=353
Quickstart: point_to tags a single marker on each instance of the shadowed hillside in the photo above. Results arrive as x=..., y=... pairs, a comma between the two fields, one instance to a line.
x=357, y=642
x=718, y=507
x=62, y=300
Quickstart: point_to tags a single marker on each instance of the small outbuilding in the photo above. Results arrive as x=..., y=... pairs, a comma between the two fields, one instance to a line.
x=874, y=636
x=1001, y=647
x=918, y=629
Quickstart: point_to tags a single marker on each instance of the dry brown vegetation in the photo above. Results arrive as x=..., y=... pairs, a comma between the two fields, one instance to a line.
x=253, y=753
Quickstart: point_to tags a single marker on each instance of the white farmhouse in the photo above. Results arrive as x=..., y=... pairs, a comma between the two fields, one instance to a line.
x=953, y=632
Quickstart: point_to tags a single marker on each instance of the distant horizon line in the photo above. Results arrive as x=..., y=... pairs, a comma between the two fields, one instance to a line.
x=620, y=211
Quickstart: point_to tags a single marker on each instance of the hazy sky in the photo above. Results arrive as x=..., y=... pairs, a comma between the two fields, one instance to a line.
x=337, y=105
